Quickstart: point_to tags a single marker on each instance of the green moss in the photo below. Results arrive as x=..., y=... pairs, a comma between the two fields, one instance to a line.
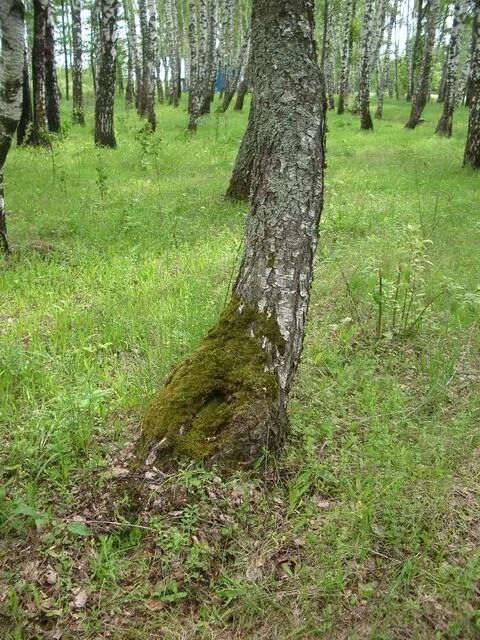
x=220, y=393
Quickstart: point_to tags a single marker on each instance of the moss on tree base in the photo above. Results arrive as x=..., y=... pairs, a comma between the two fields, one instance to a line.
x=224, y=403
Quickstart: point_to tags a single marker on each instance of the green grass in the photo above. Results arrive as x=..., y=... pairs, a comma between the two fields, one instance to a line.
x=367, y=525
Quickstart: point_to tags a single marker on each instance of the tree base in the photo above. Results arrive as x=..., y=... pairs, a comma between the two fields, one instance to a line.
x=224, y=404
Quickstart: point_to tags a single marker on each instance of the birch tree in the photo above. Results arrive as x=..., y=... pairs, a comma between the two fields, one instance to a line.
x=348, y=16
x=365, y=65
x=422, y=89
x=40, y=125
x=77, y=71
x=24, y=129
x=384, y=74
x=228, y=401
x=104, y=102
x=444, y=126
x=52, y=94
x=12, y=31
x=472, y=147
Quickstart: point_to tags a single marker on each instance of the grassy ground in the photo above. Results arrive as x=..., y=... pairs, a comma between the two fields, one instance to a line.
x=367, y=526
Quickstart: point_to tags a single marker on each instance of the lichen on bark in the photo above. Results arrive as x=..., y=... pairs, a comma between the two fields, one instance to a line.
x=219, y=400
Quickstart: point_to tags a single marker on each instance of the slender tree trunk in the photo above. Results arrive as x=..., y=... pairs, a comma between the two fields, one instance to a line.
x=444, y=126
x=364, y=93
x=171, y=22
x=443, y=82
x=348, y=15
x=415, y=50
x=24, y=129
x=65, y=48
x=236, y=74
x=145, y=86
x=152, y=47
x=104, y=103
x=12, y=32
x=472, y=147
x=40, y=126
x=385, y=69
x=77, y=70
x=228, y=401
x=241, y=93
x=51, y=82
x=197, y=34
x=212, y=60
x=422, y=90
x=327, y=57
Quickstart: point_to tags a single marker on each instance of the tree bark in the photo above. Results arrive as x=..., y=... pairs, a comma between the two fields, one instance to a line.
x=348, y=15
x=422, y=90
x=472, y=147
x=240, y=182
x=385, y=69
x=104, y=102
x=444, y=126
x=24, y=129
x=240, y=66
x=228, y=401
x=40, y=125
x=65, y=48
x=415, y=51
x=51, y=82
x=366, y=64
x=12, y=32
x=77, y=71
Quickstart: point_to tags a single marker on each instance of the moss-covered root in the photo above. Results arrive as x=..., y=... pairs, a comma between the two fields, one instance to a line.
x=224, y=403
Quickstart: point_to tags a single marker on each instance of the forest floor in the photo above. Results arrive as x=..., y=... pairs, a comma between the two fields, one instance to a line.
x=368, y=524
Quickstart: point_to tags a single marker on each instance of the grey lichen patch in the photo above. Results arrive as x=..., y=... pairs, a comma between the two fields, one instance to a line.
x=223, y=403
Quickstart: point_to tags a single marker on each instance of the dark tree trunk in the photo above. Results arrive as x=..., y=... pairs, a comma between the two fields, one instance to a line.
x=241, y=93
x=422, y=91
x=415, y=54
x=24, y=129
x=104, y=103
x=228, y=401
x=12, y=34
x=77, y=71
x=444, y=126
x=472, y=147
x=40, y=126
x=240, y=182
x=51, y=82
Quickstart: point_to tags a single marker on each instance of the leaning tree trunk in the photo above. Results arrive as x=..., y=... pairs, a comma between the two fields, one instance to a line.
x=384, y=79
x=228, y=401
x=77, y=71
x=472, y=147
x=40, y=126
x=423, y=86
x=12, y=32
x=349, y=13
x=241, y=180
x=24, y=129
x=104, y=102
x=364, y=93
x=51, y=83
x=444, y=126
x=236, y=74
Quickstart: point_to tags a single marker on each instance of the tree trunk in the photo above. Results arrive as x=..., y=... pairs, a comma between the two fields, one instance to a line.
x=77, y=71
x=212, y=61
x=51, y=82
x=444, y=126
x=104, y=103
x=240, y=66
x=145, y=89
x=171, y=21
x=385, y=69
x=349, y=13
x=240, y=182
x=415, y=51
x=366, y=64
x=423, y=86
x=472, y=147
x=197, y=38
x=241, y=93
x=24, y=129
x=228, y=401
x=40, y=126
x=12, y=31
x=65, y=49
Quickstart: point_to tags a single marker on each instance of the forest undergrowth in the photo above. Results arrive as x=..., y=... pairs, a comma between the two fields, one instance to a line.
x=367, y=525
